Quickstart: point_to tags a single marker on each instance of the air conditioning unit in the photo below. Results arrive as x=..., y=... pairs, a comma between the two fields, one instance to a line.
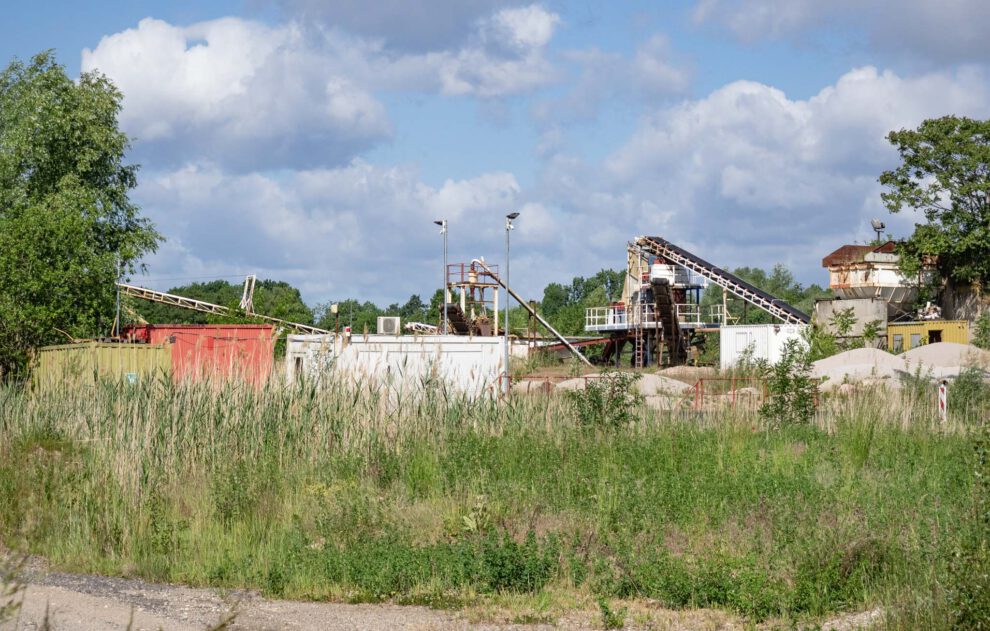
x=388, y=326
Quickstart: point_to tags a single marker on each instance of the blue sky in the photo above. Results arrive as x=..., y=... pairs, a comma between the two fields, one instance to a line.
x=315, y=142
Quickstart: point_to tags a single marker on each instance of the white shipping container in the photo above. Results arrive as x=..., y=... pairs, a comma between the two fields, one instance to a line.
x=758, y=341
x=468, y=365
x=309, y=355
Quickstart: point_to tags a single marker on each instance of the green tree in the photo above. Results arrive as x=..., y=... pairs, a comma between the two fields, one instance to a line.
x=564, y=306
x=944, y=174
x=779, y=282
x=277, y=299
x=67, y=225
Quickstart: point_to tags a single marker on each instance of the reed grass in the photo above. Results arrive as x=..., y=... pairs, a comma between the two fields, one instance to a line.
x=333, y=491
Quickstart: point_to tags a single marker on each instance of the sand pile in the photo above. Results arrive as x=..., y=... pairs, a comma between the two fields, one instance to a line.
x=859, y=364
x=532, y=386
x=650, y=385
x=947, y=355
x=688, y=373
x=577, y=383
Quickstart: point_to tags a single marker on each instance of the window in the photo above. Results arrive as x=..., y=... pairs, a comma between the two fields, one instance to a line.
x=935, y=336
x=915, y=340
x=898, y=345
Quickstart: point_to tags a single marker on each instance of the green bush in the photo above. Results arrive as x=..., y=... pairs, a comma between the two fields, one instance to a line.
x=981, y=330
x=968, y=395
x=791, y=391
x=611, y=618
x=607, y=401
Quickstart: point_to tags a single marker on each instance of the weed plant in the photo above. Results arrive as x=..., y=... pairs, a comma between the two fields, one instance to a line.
x=363, y=494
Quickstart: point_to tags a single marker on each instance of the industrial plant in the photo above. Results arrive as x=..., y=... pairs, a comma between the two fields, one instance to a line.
x=660, y=320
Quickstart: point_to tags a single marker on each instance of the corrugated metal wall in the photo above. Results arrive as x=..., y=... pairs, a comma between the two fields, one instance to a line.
x=244, y=351
x=904, y=336
x=86, y=362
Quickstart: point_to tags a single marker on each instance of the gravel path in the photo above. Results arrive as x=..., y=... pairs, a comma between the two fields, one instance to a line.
x=72, y=602
x=97, y=603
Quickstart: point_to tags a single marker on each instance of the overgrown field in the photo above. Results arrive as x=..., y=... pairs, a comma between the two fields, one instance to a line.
x=327, y=492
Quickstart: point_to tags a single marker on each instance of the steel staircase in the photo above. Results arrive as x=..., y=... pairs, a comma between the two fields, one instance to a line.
x=663, y=296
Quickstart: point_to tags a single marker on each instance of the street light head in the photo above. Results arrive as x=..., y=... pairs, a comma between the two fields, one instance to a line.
x=512, y=216
x=439, y=222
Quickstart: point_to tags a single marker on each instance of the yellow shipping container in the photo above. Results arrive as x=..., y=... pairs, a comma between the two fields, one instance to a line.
x=903, y=336
x=86, y=362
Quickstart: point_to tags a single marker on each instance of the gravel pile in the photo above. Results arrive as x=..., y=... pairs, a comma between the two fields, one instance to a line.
x=857, y=365
x=577, y=383
x=649, y=385
x=947, y=355
x=532, y=386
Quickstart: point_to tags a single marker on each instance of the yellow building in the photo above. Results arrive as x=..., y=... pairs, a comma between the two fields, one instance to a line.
x=903, y=336
x=87, y=362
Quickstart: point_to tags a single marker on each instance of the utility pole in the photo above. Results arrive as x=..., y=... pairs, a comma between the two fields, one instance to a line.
x=443, y=287
x=116, y=322
x=508, y=228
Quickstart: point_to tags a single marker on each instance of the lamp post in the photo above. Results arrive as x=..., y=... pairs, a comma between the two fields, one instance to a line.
x=508, y=228
x=443, y=287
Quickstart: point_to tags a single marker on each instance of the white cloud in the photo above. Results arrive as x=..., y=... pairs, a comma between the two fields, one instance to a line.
x=523, y=28
x=400, y=24
x=652, y=73
x=357, y=230
x=943, y=32
x=236, y=91
x=655, y=71
x=508, y=56
x=252, y=96
x=749, y=176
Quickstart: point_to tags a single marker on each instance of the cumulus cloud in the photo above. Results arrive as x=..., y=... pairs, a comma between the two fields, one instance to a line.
x=743, y=176
x=507, y=57
x=253, y=96
x=237, y=91
x=944, y=32
x=653, y=72
x=399, y=24
x=357, y=230
x=750, y=176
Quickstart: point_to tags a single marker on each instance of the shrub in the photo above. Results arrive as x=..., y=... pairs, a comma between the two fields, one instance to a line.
x=607, y=402
x=611, y=618
x=981, y=330
x=967, y=392
x=791, y=391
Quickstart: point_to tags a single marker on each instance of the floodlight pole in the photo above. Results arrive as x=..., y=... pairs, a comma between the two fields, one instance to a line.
x=443, y=287
x=508, y=229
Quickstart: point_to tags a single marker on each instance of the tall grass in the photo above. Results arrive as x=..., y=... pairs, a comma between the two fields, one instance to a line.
x=351, y=493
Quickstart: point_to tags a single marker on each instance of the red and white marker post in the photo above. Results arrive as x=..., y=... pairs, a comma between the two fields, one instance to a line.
x=943, y=400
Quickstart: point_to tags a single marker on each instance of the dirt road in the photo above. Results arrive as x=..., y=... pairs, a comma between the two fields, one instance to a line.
x=71, y=602
x=96, y=603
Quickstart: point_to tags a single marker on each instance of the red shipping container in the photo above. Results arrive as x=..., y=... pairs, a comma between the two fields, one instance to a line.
x=245, y=351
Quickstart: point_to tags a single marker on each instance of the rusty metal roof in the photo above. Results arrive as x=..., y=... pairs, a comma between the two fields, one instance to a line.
x=855, y=253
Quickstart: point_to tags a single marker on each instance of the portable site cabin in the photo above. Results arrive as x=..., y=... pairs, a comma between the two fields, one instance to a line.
x=471, y=366
x=903, y=336
x=244, y=351
x=757, y=341
x=87, y=362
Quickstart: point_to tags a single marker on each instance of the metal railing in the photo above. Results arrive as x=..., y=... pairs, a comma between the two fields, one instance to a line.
x=730, y=391
x=624, y=317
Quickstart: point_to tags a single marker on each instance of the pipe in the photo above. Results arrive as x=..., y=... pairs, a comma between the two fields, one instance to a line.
x=533, y=312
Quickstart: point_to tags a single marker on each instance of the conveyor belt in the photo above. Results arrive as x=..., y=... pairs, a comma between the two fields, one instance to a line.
x=206, y=307
x=731, y=283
